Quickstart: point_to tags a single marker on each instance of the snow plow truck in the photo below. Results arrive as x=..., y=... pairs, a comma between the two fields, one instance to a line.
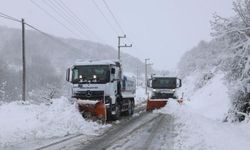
x=162, y=88
x=101, y=90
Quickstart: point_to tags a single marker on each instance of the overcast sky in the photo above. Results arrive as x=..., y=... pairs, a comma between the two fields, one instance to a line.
x=161, y=30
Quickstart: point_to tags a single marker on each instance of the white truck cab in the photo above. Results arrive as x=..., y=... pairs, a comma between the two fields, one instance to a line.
x=102, y=81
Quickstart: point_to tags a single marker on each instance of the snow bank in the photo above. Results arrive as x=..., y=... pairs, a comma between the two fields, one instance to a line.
x=211, y=100
x=195, y=132
x=20, y=122
x=198, y=122
x=140, y=95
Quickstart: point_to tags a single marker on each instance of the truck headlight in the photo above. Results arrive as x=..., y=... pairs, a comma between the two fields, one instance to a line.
x=173, y=90
x=154, y=90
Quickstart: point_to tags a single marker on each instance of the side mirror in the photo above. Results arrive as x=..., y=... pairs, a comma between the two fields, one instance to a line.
x=178, y=83
x=68, y=75
x=112, y=70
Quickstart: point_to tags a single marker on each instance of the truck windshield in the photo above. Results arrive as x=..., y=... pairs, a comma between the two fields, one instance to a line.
x=164, y=83
x=91, y=74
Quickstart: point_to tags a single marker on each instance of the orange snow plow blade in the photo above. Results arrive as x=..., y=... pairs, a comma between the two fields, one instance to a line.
x=91, y=109
x=155, y=104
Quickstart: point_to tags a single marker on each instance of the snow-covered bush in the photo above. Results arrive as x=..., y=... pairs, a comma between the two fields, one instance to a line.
x=204, y=78
x=236, y=31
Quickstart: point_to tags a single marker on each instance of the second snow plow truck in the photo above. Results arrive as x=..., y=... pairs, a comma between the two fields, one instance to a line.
x=162, y=88
x=101, y=90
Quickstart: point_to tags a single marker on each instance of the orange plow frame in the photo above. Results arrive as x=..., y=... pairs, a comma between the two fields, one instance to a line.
x=96, y=110
x=156, y=104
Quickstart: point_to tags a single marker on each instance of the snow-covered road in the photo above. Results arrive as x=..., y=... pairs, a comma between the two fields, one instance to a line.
x=146, y=131
x=155, y=134
x=197, y=124
x=195, y=131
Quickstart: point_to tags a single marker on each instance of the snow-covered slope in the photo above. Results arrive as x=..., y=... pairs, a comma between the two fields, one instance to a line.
x=140, y=95
x=23, y=122
x=211, y=100
x=228, y=51
x=194, y=131
x=199, y=120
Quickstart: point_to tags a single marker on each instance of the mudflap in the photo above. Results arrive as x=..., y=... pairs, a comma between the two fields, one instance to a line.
x=93, y=110
x=156, y=104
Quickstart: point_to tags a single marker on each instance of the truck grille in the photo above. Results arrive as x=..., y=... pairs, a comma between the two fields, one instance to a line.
x=162, y=96
x=90, y=95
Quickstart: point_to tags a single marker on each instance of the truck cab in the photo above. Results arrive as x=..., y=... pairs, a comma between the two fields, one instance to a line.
x=100, y=88
x=162, y=88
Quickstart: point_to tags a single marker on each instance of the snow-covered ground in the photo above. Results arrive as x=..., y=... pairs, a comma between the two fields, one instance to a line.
x=211, y=100
x=199, y=122
x=140, y=95
x=26, y=122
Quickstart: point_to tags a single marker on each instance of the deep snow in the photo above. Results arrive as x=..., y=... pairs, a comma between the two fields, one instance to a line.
x=25, y=122
x=20, y=122
x=140, y=96
x=199, y=121
x=211, y=100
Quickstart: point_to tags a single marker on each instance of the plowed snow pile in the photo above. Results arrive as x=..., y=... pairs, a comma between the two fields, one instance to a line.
x=22, y=122
x=198, y=122
x=140, y=95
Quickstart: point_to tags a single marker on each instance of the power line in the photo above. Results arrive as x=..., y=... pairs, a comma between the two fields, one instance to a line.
x=38, y=30
x=3, y=15
x=84, y=25
x=114, y=18
x=50, y=36
x=112, y=14
x=66, y=13
x=71, y=14
x=58, y=21
x=52, y=6
x=104, y=16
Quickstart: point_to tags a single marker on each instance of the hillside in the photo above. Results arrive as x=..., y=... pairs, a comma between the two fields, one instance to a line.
x=226, y=53
x=47, y=60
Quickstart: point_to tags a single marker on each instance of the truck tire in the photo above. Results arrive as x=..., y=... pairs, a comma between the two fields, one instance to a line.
x=132, y=107
x=109, y=116
x=117, y=112
x=129, y=112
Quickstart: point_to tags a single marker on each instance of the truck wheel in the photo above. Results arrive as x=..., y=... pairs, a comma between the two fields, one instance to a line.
x=132, y=107
x=109, y=116
x=130, y=110
x=117, y=112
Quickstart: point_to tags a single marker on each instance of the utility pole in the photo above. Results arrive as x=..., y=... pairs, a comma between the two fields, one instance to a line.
x=146, y=76
x=24, y=62
x=119, y=46
x=137, y=75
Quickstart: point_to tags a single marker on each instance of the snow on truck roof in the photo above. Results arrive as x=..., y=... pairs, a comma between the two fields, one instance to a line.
x=95, y=62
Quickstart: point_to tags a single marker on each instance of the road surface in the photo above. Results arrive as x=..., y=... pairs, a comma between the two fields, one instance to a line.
x=142, y=131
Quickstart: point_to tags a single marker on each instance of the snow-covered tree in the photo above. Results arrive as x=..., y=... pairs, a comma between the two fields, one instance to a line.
x=228, y=51
x=236, y=32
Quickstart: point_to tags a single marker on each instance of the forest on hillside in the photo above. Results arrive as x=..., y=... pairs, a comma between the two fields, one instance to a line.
x=47, y=61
